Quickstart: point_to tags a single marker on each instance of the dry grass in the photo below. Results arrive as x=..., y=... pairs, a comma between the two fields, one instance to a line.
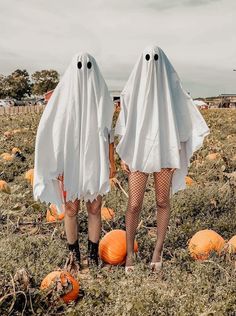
x=185, y=287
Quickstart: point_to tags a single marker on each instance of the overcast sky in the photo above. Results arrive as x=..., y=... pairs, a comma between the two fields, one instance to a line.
x=198, y=36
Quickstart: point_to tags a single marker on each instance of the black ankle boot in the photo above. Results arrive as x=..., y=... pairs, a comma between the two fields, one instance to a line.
x=92, y=253
x=75, y=249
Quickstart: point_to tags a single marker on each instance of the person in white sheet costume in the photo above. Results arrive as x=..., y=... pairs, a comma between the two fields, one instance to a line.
x=160, y=128
x=72, y=149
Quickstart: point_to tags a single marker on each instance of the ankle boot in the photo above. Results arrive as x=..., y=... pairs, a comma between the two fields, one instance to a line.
x=92, y=253
x=76, y=250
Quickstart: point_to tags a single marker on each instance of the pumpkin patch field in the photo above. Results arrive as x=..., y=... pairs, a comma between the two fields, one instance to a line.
x=33, y=248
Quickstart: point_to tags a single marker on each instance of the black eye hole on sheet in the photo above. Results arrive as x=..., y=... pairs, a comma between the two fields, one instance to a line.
x=156, y=57
x=79, y=65
x=147, y=57
x=89, y=65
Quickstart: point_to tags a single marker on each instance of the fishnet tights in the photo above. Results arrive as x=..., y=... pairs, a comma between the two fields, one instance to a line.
x=137, y=184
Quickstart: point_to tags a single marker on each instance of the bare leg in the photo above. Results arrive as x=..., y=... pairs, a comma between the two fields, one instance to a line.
x=71, y=224
x=162, y=182
x=137, y=184
x=71, y=221
x=94, y=219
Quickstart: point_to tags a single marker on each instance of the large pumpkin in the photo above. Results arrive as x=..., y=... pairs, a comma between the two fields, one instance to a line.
x=203, y=242
x=52, y=214
x=112, y=247
x=107, y=213
x=69, y=285
x=29, y=176
x=4, y=187
x=232, y=244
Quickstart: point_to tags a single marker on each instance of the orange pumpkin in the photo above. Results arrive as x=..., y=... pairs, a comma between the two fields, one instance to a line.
x=52, y=214
x=4, y=187
x=7, y=157
x=29, y=176
x=213, y=156
x=70, y=286
x=203, y=242
x=232, y=244
x=189, y=181
x=112, y=247
x=15, y=150
x=107, y=213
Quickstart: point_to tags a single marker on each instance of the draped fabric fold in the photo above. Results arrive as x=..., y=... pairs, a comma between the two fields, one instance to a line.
x=72, y=136
x=159, y=125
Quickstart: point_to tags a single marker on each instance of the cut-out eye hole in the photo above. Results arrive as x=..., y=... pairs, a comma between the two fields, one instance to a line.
x=156, y=57
x=79, y=65
x=147, y=57
x=89, y=65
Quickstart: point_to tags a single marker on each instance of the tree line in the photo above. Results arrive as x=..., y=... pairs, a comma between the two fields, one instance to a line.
x=19, y=84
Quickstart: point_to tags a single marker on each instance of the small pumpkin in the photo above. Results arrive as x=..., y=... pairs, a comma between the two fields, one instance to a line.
x=53, y=215
x=213, y=156
x=7, y=157
x=29, y=176
x=15, y=150
x=63, y=281
x=232, y=244
x=189, y=181
x=107, y=213
x=112, y=247
x=4, y=187
x=203, y=242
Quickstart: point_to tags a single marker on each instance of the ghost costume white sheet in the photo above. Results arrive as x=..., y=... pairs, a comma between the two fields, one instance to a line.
x=159, y=125
x=73, y=136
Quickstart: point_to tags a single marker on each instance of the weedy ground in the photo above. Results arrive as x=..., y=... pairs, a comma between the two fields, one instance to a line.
x=185, y=287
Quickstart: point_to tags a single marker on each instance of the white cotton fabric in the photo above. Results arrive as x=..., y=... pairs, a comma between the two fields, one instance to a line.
x=159, y=125
x=73, y=136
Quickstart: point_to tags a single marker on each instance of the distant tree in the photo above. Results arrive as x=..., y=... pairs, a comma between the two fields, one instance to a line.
x=17, y=85
x=44, y=80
